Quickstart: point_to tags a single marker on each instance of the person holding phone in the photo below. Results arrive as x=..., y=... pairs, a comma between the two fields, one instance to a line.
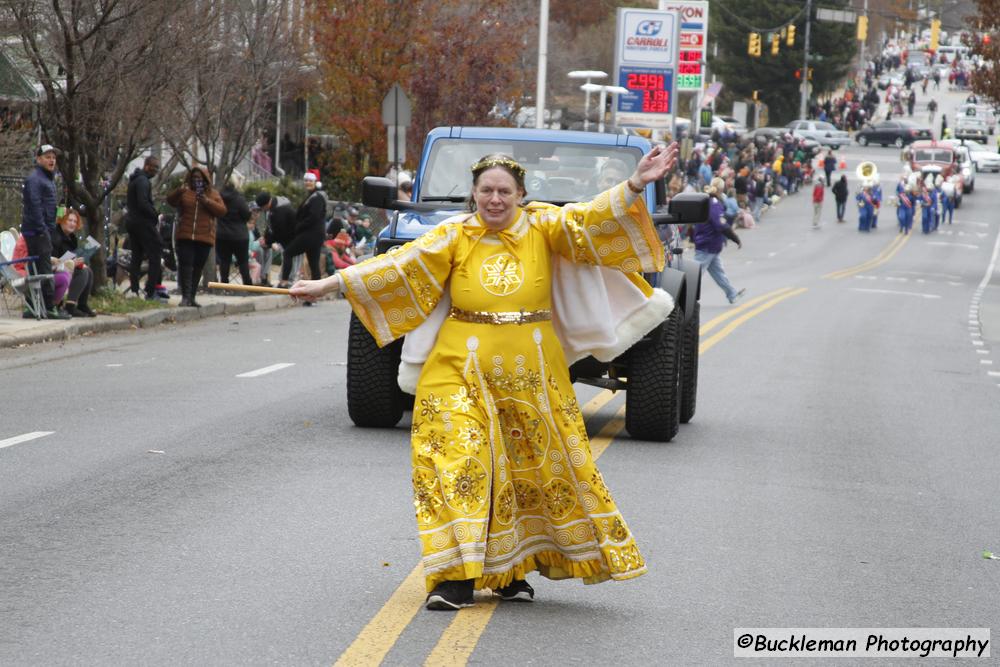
x=198, y=204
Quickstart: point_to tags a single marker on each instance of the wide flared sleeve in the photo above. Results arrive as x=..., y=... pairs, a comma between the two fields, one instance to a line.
x=393, y=293
x=614, y=229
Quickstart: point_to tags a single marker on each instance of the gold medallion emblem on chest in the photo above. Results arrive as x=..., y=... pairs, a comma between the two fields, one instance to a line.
x=501, y=274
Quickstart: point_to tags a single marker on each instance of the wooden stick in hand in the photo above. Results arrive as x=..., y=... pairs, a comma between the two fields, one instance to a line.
x=249, y=288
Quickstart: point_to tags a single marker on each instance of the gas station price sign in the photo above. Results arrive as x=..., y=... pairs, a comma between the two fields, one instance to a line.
x=649, y=89
x=689, y=74
x=693, y=34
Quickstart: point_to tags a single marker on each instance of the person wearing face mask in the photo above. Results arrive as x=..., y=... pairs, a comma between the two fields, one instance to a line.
x=198, y=204
x=308, y=234
x=503, y=479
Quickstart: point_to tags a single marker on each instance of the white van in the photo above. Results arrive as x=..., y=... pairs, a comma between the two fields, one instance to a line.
x=950, y=52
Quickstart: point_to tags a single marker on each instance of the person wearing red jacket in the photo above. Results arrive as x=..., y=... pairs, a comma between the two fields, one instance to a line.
x=818, y=191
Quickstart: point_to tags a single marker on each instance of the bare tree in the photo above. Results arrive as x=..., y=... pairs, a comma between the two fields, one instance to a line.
x=105, y=67
x=252, y=50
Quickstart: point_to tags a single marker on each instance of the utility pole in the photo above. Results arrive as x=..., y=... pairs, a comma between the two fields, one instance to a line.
x=803, y=101
x=543, y=63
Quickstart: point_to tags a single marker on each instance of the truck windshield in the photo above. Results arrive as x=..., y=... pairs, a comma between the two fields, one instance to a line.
x=555, y=172
x=932, y=155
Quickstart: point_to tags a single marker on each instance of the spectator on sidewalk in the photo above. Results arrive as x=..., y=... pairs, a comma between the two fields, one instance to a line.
x=308, y=235
x=710, y=238
x=65, y=242
x=232, y=237
x=275, y=225
x=144, y=240
x=38, y=222
x=198, y=205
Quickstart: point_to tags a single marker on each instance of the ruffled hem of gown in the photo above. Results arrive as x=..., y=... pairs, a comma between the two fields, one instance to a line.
x=549, y=564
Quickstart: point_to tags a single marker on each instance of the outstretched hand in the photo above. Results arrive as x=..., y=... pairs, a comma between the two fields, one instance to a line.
x=656, y=163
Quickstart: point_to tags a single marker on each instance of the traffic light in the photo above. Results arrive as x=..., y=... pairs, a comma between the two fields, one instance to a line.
x=774, y=44
x=862, y=28
x=790, y=36
x=756, y=96
x=986, y=39
x=798, y=74
x=753, y=47
x=935, y=33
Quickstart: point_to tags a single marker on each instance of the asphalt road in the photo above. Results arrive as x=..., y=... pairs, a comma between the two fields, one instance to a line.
x=841, y=471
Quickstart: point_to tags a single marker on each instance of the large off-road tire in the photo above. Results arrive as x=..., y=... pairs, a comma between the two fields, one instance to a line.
x=652, y=401
x=374, y=398
x=689, y=365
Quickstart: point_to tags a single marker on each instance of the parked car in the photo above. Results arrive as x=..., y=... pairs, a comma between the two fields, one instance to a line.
x=984, y=158
x=933, y=158
x=764, y=134
x=820, y=131
x=661, y=368
x=970, y=127
x=896, y=132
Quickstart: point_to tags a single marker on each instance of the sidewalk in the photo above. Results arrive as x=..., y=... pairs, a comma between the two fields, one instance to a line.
x=15, y=332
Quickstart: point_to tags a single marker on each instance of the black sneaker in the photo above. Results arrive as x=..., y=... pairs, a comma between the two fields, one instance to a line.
x=517, y=591
x=450, y=596
x=85, y=311
x=57, y=314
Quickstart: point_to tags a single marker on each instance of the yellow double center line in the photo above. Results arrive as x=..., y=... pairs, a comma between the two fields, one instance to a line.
x=460, y=638
x=890, y=251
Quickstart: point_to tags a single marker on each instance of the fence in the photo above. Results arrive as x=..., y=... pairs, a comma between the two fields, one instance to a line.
x=10, y=201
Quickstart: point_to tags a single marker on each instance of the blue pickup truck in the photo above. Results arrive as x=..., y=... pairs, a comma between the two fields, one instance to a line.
x=659, y=373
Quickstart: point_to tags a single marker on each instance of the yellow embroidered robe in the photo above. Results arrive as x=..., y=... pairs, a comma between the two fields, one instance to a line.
x=504, y=481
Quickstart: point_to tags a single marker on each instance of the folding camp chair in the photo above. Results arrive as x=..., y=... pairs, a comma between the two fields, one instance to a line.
x=27, y=288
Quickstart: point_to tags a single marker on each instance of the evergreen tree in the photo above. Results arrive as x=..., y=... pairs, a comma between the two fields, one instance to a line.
x=832, y=47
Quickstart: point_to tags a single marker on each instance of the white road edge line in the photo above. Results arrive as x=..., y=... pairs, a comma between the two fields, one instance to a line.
x=24, y=438
x=889, y=291
x=989, y=270
x=264, y=371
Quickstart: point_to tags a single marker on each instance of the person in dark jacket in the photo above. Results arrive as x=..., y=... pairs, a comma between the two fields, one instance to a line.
x=143, y=235
x=309, y=233
x=710, y=238
x=840, y=196
x=198, y=204
x=829, y=165
x=38, y=222
x=232, y=237
x=276, y=224
x=82, y=279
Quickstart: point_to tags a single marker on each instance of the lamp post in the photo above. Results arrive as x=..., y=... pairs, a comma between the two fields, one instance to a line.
x=604, y=90
x=587, y=74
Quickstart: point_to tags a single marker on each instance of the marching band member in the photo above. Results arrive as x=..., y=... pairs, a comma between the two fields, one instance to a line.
x=927, y=205
x=947, y=200
x=866, y=207
x=876, y=200
x=904, y=207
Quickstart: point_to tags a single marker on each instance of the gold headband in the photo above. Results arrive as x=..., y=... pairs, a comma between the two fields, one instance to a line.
x=499, y=162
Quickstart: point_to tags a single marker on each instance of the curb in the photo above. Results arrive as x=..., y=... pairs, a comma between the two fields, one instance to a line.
x=68, y=329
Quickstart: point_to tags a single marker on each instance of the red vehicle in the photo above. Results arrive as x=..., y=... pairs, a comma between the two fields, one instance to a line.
x=933, y=158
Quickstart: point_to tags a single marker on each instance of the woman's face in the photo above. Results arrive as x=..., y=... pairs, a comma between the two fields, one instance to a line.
x=496, y=195
x=70, y=223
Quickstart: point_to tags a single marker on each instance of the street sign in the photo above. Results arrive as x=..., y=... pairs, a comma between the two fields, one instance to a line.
x=693, y=39
x=836, y=15
x=396, y=109
x=646, y=62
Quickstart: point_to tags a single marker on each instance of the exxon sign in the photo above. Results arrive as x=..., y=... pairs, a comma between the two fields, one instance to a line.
x=647, y=37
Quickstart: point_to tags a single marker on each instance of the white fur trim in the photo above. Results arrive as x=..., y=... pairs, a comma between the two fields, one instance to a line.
x=408, y=375
x=631, y=329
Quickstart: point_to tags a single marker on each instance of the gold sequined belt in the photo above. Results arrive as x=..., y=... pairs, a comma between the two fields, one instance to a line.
x=485, y=317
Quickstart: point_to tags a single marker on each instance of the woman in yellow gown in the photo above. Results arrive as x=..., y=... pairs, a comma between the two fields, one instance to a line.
x=504, y=481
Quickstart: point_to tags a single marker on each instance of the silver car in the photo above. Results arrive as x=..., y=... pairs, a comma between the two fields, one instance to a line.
x=819, y=131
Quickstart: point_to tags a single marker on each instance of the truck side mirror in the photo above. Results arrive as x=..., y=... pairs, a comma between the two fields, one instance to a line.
x=689, y=208
x=378, y=192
